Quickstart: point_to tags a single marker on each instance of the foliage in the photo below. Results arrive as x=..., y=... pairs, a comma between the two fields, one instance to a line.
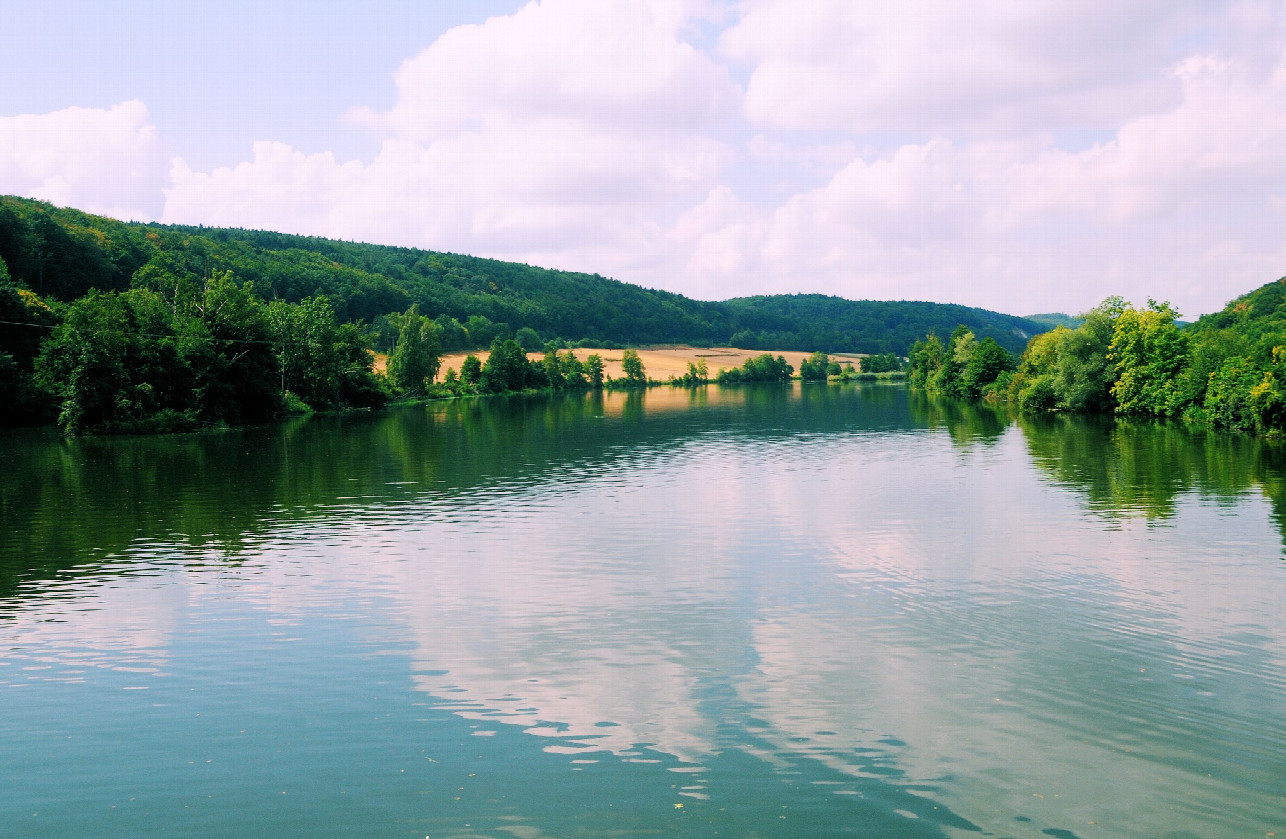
x=925, y=360
x=114, y=365
x=833, y=324
x=470, y=371
x=181, y=355
x=881, y=363
x=987, y=361
x=1242, y=397
x=416, y=356
x=965, y=368
x=1149, y=352
x=815, y=368
x=761, y=368
x=528, y=339
x=698, y=374
x=25, y=321
x=1225, y=370
x=62, y=253
x=594, y=370
x=1051, y=320
x=507, y=368
x=632, y=366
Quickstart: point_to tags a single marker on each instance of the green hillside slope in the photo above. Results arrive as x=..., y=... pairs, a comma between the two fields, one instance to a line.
x=63, y=253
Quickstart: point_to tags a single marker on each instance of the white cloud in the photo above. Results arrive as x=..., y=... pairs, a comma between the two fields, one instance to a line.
x=565, y=134
x=107, y=161
x=932, y=65
x=603, y=62
x=572, y=197
x=1021, y=158
x=1186, y=204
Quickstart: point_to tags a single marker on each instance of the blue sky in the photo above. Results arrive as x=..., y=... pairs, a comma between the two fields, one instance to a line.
x=1022, y=158
x=217, y=75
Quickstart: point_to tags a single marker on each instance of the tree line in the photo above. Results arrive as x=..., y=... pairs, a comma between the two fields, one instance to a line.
x=174, y=354
x=1224, y=371
x=61, y=254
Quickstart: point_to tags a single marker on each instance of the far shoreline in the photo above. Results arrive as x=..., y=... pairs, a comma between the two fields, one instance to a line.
x=661, y=362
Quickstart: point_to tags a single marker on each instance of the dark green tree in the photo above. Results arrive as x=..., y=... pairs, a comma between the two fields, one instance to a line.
x=529, y=340
x=416, y=358
x=506, y=368
x=227, y=340
x=986, y=362
x=470, y=371
x=815, y=368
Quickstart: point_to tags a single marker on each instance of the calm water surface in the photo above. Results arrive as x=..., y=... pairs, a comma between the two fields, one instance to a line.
x=764, y=612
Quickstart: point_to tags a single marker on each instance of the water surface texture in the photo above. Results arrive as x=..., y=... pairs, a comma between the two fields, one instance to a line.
x=800, y=611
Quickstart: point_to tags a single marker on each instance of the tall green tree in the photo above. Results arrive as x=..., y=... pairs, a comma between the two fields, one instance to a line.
x=925, y=360
x=594, y=370
x=1083, y=373
x=506, y=367
x=227, y=340
x=25, y=321
x=881, y=363
x=1149, y=352
x=529, y=340
x=632, y=366
x=324, y=363
x=470, y=370
x=987, y=361
x=416, y=358
x=553, y=365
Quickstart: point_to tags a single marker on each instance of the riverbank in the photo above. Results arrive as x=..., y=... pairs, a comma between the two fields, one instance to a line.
x=662, y=362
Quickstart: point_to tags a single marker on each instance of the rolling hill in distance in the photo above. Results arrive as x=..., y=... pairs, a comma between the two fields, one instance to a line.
x=63, y=253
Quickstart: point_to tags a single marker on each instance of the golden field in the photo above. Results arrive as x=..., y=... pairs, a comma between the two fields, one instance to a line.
x=662, y=362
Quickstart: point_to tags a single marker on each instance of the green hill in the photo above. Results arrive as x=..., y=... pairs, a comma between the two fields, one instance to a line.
x=1050, y=320
x=833, y=324
x=1252, y=317
x=63, y=253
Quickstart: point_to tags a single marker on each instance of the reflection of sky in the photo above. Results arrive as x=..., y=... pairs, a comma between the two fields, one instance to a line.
x=832, y=596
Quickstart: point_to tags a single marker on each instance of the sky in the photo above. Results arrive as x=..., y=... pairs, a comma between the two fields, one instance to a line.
x=1023, y=157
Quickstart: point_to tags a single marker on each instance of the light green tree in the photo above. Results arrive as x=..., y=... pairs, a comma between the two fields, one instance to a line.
x=1149, y=352
x=594, y=370
x=632, y=366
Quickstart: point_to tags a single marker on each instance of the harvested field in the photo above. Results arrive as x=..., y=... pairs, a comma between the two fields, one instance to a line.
x=663, y=362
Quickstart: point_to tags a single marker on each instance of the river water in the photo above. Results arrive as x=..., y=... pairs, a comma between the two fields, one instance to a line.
x=802, y=611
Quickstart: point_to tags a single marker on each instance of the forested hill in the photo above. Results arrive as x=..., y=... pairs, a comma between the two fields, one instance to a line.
x=1258, y=318
x=63, y=253
x=799, y=321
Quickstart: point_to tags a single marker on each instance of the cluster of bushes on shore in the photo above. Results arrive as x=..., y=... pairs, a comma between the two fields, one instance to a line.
x=174, y=354
x=508, y=368
x=1225, y=371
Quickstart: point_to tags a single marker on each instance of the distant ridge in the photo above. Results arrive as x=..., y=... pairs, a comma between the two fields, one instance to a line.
x=1051, y=320
x=63, y=253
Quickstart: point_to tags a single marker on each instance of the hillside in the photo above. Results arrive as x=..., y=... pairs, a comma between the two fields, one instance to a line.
x=833, y=324
x=63, y=253
x=1254, y=317
x=1056, y=319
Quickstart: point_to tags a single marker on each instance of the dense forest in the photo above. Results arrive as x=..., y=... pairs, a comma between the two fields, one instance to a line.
x=1225, y=370
x=117, y=327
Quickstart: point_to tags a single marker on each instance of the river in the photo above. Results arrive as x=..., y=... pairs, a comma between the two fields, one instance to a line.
x=784, y=611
